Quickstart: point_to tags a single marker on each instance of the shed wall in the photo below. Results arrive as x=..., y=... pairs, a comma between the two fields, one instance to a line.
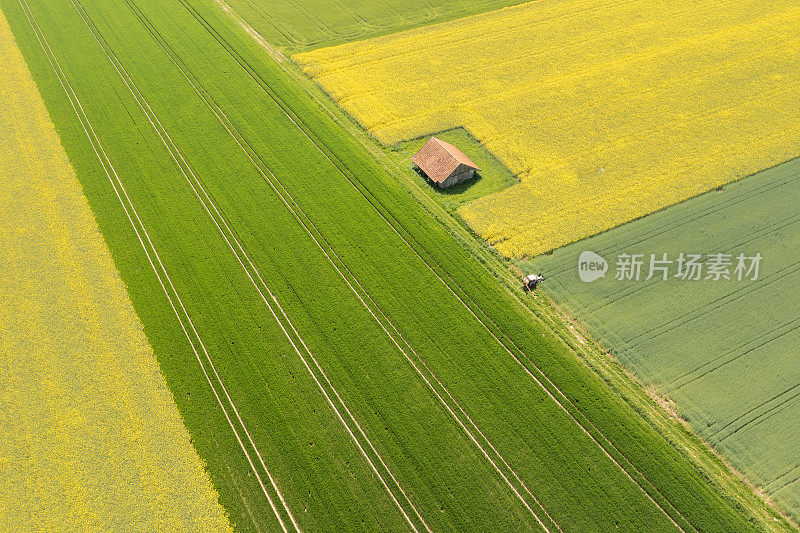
x=459, y=175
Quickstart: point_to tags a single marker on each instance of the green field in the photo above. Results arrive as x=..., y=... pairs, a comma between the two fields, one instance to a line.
x=725, y=352
x=307, y=24
x=339, y=359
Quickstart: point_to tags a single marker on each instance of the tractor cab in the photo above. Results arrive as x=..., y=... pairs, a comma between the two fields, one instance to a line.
x=532, y=281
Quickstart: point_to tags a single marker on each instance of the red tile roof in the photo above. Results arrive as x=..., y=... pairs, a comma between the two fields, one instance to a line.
x=438, y=159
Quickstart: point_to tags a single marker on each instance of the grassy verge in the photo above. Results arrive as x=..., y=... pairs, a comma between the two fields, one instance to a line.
x=492, y=177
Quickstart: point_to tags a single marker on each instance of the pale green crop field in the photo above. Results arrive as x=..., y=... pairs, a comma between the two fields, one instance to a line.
x=297, y=25
x=726, y=352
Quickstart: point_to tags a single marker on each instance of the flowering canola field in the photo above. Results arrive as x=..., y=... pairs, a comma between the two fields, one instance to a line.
x=606, y=111
x=91, y=438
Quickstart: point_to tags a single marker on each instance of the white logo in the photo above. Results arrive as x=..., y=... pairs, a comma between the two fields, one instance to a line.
x=591, y=266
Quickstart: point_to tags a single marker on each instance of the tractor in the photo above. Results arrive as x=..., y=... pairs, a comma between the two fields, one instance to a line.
x=531, y=281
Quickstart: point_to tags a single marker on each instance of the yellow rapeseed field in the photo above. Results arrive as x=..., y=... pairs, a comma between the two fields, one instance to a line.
x=606, y=110
x=90, y=438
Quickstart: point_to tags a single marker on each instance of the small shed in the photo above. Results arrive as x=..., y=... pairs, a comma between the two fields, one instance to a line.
x=443, y=163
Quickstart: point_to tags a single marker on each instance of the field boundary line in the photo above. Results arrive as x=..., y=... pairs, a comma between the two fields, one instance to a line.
x=691, y=217
x=95, y=142
x=176, y=155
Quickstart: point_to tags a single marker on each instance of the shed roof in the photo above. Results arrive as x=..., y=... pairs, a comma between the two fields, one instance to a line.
x=438, y=159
